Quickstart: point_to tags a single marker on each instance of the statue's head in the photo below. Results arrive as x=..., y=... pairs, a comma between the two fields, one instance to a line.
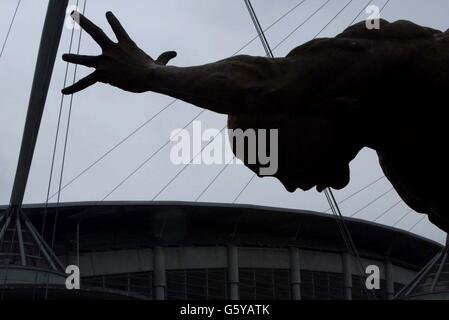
x=312, y=150
x=315, y=153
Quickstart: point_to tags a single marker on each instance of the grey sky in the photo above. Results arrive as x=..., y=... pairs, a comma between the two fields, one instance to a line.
x=200, y=31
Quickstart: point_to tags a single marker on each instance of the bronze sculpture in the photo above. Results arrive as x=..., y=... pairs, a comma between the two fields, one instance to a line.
x=329, y=98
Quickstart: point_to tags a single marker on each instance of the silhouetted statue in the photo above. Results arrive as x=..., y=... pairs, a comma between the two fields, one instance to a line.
x=383, y=89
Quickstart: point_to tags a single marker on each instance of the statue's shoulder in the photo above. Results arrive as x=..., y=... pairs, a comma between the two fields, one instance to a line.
x=398, y=30
x=324, y=45
x=359, y=37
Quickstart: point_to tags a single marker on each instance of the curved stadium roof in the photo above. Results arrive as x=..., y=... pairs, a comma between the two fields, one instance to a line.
x=115, y=225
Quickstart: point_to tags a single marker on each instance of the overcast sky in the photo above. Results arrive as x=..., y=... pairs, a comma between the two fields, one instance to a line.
x=200, y=31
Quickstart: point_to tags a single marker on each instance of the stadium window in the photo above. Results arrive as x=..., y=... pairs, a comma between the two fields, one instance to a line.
x=264, y=284
x=140, y=283
x=197, y=284
x=316, y=285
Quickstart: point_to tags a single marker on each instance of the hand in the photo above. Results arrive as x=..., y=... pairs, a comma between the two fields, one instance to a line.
x=122, y=64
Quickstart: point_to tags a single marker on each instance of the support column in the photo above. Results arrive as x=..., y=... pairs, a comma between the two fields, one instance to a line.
x=233, y=272
x=389, y=281
x=347, y=275
x=20, y=238
x=295, y=273
x=159, y=279
x=48, y=48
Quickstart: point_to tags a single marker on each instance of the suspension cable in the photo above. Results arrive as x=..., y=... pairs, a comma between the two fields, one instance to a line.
x=259, y=29
x=361, y=11
x=211, y=182
x=347, y=237
x=55, y=144
x=10, y=28
x=383, y=7
x=388, y=210
x=335, y=17
x=140, y=166
x=372, y=202
x=417, y=223
x=113, y=148
x=271, y=25
x=403, y=217
x=244, y=188
x=352, y=195
x=61, y=177
x=186, y=165
x=299, y=26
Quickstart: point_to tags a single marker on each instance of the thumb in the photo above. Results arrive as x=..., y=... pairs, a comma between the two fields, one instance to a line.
x=166, y=57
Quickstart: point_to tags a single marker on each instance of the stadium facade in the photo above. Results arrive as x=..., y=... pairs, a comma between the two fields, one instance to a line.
x=174, y=250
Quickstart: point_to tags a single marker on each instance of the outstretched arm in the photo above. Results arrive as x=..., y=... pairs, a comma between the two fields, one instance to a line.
x=230, y=86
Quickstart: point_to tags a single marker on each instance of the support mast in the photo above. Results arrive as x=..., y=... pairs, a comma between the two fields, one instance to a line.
x=51, y=36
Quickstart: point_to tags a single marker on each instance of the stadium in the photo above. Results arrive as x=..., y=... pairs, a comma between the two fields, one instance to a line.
x=211, y=251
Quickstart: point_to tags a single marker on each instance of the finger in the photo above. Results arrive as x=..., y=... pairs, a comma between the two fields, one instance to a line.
x=117, y=27
x=82, y=84
x=88, y=61
x=166, y=57
x=93, y=30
